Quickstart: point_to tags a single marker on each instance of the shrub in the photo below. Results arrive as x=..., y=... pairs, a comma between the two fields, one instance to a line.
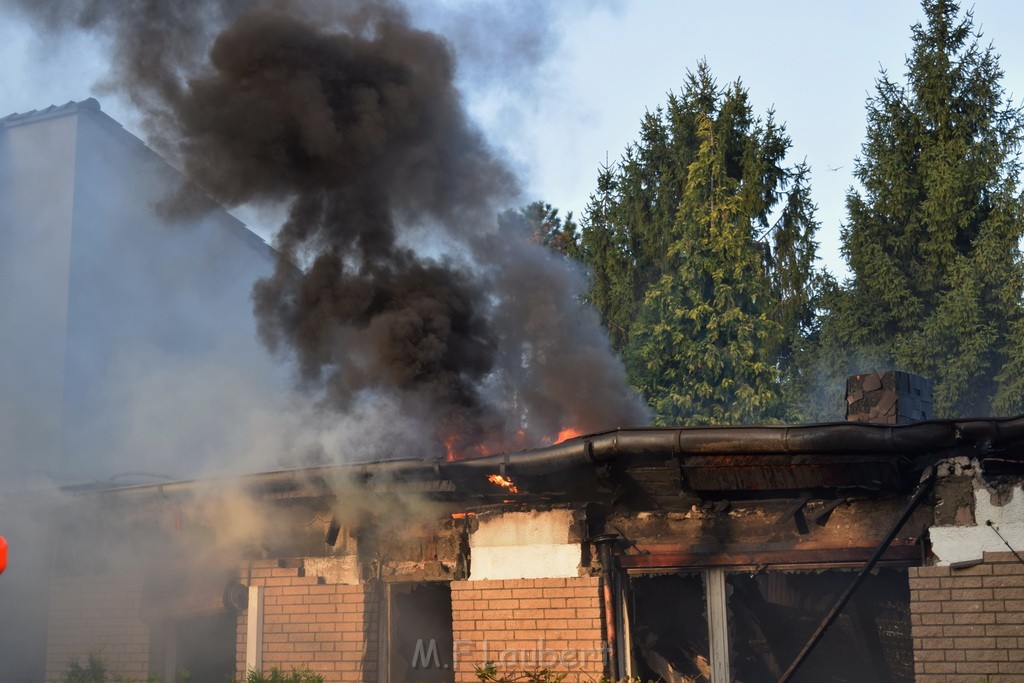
x=278, y=676
x=489, y=672
x=96, y=671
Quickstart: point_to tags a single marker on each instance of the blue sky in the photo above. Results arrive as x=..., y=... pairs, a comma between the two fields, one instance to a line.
x=588, y=71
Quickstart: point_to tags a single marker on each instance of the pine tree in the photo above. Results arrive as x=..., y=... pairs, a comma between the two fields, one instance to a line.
x=933, y=232
x=613, y=268
x=544, y=226
x=700, y=244
x=700, y=349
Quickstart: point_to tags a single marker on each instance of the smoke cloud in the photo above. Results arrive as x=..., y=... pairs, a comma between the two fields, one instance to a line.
x=394, y=282
x=417, y=324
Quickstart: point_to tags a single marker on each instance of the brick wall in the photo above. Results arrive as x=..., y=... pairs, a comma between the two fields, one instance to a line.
x=330, y=628
x=97, y=613
x=968, y=624
x=527, y=624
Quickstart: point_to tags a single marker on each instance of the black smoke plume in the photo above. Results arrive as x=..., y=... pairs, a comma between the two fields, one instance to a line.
x=394, y=280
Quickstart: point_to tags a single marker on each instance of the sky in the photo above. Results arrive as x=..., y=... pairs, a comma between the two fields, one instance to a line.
x=561, y=87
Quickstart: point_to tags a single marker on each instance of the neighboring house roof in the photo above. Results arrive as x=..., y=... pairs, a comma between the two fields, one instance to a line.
x=53, y=111
x=91, y=106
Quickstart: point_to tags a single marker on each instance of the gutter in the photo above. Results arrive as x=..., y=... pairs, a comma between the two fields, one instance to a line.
x=648, y=445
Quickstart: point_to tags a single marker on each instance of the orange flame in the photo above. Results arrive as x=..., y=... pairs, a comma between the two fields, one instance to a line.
x=456, y=448
x=567, y=433
x=449, y=448
x=503, y=482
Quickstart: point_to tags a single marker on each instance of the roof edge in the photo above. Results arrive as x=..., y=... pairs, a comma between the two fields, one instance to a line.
x=53, y=111
x=839, y=440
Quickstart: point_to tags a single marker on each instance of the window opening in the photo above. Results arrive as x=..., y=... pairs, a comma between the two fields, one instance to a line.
x=670, y=627
x=772, y=614
x=199, y=648
x=420, y=633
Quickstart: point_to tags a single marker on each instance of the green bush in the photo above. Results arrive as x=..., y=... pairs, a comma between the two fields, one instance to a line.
x=489, y=672
x=278, y=676
x=96, y=671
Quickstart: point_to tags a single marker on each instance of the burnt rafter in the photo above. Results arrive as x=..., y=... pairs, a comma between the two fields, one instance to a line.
x=821, y=516
x=796, y=513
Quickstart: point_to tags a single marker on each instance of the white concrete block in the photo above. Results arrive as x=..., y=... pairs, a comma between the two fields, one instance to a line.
x=343, y=569
x=524, y=545
x=963, y=543
x=537, y=561
x=523, y=528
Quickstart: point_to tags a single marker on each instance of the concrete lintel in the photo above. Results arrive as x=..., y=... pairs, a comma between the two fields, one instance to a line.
x=525, y=545
x=537, y=561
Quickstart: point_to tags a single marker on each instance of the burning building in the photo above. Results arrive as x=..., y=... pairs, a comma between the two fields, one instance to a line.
x=675, y=554
x=866, y=550
x=138, y=294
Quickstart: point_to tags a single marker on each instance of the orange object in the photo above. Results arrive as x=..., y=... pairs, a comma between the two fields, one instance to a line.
x=504, y=482
x=3, y=554
x=566, y=434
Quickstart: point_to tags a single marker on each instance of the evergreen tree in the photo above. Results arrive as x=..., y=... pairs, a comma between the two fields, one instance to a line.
x=700, y=244
x=544, y=226
x=605, y=248
x=700, y=349
x=932, y=235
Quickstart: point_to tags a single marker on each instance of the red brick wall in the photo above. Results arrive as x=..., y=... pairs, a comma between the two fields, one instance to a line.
x=97, y=613
x=528, y=624
x=331, y=629
x=968, y=624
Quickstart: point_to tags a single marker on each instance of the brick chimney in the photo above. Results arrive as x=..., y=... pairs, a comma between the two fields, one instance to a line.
x=888, y=398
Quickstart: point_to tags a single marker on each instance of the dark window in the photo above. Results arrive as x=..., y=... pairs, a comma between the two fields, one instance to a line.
x=671, y=627
x=420, y=633
x=772, y=615
x=200, y=648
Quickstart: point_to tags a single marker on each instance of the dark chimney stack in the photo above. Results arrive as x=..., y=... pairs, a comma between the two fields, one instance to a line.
x=888, y=398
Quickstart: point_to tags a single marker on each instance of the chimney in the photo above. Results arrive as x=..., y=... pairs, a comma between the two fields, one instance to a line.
x=888, y=398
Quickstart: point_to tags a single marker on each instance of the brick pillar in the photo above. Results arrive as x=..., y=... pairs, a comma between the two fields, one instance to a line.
x=529, y=624
x=968, y=624
x=331, y=629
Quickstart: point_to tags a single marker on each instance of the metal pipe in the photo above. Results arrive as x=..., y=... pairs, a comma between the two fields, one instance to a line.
x=922, y=488
x=604, y=544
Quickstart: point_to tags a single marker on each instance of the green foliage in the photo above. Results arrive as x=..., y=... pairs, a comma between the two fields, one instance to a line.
x=96, y=672
x=700, y=244
x=544, y=226
x=277, y=676
x=489, y=672
x=933, y=232
x=699, y=348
